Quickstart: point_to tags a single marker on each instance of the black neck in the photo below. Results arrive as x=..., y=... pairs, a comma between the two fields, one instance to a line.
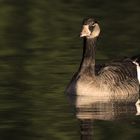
x=88, y=60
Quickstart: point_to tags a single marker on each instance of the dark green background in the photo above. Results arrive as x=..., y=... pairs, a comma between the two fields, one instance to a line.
x=40, y=49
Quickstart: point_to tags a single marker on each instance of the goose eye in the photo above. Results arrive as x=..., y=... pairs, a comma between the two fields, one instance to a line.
x=91, y=28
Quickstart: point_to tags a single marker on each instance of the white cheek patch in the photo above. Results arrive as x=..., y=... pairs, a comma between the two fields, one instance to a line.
x=96, y=31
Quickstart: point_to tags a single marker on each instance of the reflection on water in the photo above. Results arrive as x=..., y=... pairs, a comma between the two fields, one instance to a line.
x=100, y=110
x=88, y=110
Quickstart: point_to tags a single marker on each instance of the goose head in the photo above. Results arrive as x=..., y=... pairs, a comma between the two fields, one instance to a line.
x=90, y=28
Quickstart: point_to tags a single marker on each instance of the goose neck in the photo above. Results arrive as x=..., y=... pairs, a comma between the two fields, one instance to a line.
x=88, y=59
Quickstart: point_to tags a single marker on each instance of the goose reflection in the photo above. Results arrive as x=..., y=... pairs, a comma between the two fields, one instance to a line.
x=88, y=109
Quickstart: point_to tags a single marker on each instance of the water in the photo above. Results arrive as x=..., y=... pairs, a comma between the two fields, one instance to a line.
x=40, y=49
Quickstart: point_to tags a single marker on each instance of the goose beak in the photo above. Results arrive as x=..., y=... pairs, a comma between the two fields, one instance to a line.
x=85, y=31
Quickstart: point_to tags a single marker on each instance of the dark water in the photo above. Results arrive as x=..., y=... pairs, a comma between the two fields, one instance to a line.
x=40, y=49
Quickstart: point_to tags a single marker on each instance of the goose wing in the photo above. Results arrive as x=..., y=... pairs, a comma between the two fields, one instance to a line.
x=119, y=71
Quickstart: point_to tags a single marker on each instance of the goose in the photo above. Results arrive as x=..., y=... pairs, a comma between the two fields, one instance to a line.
x=115, y=80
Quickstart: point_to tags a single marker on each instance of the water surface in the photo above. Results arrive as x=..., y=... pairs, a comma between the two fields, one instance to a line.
x=40, y=49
